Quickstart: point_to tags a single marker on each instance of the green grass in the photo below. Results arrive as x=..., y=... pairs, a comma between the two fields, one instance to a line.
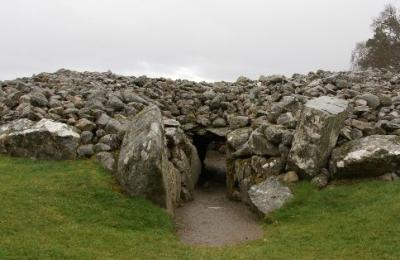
x=74, y=210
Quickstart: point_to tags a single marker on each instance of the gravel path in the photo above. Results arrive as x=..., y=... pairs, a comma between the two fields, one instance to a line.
x=213, y=220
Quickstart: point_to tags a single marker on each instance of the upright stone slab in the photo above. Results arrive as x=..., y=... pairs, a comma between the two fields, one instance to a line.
x=316, y=135
x=45, y=139
x=184, y=157
x=143, y=166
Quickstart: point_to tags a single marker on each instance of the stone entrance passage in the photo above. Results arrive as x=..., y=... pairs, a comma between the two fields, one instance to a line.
x=212, y=219
x=211, y=150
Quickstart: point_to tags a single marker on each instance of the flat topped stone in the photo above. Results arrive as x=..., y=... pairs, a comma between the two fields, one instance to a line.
x=45, y=139
x=370, y=156
x=47, y=125
x=316, y=135
x=329, y=105
x=222, y=132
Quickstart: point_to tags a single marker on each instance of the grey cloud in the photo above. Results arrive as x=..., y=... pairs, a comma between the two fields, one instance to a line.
x=208, y=39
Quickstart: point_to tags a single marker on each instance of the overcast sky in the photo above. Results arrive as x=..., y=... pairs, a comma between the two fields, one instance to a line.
x=193, y=39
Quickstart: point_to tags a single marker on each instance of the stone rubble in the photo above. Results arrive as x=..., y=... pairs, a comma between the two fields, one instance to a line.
x=272, y=125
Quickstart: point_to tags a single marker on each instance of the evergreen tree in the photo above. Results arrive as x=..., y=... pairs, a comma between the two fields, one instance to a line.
x=383, y=50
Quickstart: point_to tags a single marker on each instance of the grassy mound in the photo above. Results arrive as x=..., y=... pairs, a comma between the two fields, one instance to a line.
x=74, y=210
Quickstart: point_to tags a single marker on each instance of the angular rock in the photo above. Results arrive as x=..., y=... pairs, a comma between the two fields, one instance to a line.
x=269, y=195
x=106, y=160
x=219, y=122
x=86, y=137
x=287, y=120
x=372, y=100
x=259, y=145
x=321, y=180
x=290, y=177
x=100, y=147
x=186, y=160
x=115, y=127
x=85, y=125
x=111, y=140
x=370, y=156
x=236, y=122
x=45, y=139
x=143, y=166
x=316, y=135
x=238, y=137
x=85, y=150
x=38, y=99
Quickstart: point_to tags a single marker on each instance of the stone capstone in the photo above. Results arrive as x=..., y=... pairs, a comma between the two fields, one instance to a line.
x=316, y=135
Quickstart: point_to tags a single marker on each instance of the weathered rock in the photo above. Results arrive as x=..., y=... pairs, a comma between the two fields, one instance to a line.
x=103, y=120
x=270, y=106
x=85, y=125
x=236, y=122
x=287, y=120
x=38, y=99
x=100, y=147
x=276, y=134
x=372, y=100
x=106, y=160
x=319, y=127
x=86, y=137
x=272, y=79
x=45, y=139
x=321, y=180
x=290, y=177
x=219, y=122
x=238, y=137
x=243, y=176
x=85, y=150
x=273, y=166
x=269, y=195
x=111, y=140
x=115, y=127
x=143, y=166
x=370, y=156
x=259, y=145
x=186, y=160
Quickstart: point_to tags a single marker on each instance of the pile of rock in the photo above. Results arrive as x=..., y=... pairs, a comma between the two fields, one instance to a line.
x=274, y=126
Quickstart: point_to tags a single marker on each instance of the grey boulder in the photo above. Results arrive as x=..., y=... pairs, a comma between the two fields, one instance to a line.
x=370, y=156
x=45, y=139
x=269, y=195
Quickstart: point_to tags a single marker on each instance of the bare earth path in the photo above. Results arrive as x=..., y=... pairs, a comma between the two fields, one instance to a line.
x=213, y=220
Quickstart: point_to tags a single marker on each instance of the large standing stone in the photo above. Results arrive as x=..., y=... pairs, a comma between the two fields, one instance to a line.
x=316, y=135
x=143, y=166
x=269, y=195
x=370, y=156
x=45, y=139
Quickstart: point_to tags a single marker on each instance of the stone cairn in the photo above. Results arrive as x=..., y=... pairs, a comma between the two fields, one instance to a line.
x=320, y=127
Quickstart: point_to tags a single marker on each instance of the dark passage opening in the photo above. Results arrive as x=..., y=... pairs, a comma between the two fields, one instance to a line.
x=211, y=150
